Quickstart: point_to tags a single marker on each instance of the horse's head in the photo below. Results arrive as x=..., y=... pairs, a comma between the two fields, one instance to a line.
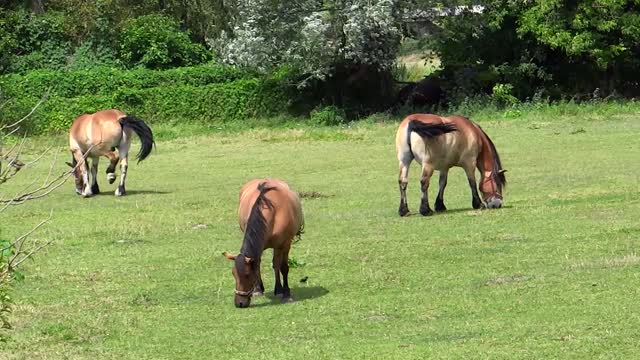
x=491, y=188
x=77, y=174
x=246, y=275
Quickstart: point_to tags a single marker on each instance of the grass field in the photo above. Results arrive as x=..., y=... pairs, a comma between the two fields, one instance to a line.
x=554, y=274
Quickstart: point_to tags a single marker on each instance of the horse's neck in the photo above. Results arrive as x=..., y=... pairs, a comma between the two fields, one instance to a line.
x=254, y=243
x=485, y=161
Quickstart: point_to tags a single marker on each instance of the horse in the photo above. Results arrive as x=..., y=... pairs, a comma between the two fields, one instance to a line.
x=270, y=215
x=439, y=143
x=100, y=134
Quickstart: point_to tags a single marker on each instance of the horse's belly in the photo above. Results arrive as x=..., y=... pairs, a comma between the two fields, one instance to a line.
x=438, y=160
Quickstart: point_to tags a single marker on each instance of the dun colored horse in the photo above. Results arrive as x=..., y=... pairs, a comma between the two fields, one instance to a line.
x=439, y=143
x=270, y=217
x=100, y=134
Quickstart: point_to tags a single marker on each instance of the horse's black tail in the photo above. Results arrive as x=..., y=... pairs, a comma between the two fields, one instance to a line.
x=427, y=131
x=256, y=224
x=144, y=133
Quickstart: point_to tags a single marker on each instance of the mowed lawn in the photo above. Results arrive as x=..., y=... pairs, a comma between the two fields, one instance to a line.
x=553, y=274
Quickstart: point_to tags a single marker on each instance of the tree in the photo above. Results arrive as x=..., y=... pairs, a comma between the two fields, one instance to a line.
x=347, y=46
x=602, y=33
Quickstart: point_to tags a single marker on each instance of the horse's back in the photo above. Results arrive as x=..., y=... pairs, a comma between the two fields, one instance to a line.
x=99, y=131
x=286, y=217
x=443, y=151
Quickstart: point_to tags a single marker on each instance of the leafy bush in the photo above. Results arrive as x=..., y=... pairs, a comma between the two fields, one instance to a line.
x=106, y=80
x=209, y=93
x=502, y=95
x=33, y=42
x=156, y=42
x=328, y=115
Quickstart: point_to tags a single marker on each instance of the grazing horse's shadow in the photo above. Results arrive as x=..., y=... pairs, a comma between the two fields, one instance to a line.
x=299, y=294
x=145, y=192
x=137, y=192
x=457, y=210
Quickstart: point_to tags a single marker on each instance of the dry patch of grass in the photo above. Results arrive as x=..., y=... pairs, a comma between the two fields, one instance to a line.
x=616, y=262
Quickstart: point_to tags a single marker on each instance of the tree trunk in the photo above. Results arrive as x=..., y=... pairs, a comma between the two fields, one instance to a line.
x=36, y=6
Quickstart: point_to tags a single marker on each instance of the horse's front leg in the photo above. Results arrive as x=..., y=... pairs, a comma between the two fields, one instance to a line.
x=277, y=265
x=284, y=269
x=427, y=171
x=95, y=189
x=83, y=173
x=476, y=202
x=259, y=290
x=442, y=182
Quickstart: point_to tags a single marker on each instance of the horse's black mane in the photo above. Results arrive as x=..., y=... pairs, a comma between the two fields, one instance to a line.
x=498, y=177
x=256, y=225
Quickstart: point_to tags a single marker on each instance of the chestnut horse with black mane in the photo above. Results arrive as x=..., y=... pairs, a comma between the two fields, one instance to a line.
x=100, y=134
x=270, y=216
x=439, y=143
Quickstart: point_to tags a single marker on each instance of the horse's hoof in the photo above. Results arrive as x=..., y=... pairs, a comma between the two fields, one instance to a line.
x=478, y=205
x=95, y=189
x=403, y=211
x=426, y=212
x=120, y=191
x=111, y=177
x=441, y=208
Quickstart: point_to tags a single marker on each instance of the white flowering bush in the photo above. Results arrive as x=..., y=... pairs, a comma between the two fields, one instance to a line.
x=312, y=37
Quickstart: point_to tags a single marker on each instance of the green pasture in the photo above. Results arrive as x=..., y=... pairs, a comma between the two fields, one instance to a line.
x=553, y=274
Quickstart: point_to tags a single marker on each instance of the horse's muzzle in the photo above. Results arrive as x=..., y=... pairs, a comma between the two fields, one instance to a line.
x=494, y=203
x=242, y=304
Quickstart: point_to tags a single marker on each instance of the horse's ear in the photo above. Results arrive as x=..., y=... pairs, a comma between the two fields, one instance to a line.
x=70, y=164
x=502, y=171
x=229, y=256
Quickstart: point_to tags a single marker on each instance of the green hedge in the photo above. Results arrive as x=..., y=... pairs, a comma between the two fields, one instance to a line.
x=203, y=93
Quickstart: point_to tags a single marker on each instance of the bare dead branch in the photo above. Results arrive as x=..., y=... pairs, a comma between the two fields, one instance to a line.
x=5, y=103
x=10, y=133
x=46, y=188
x=19, y=255
x=15, y=124
x=42, y=154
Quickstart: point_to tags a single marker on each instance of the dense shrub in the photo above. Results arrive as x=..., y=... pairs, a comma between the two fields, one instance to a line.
x=545, y=47
x=105, y=81
x=156, y=42
x=328, y=115
x=204, y=93
x=32, y=42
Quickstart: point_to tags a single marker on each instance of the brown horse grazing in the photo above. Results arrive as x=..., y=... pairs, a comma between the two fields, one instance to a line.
x=270, y=217
x=99, y=134
x=439, y=143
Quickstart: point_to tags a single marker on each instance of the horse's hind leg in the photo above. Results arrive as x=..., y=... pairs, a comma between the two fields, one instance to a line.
x=403, y=180
x=95, y=189
x=427, y=171
x=123, y=150
x=113, y=162
x=443, y=184
x=476, y=202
